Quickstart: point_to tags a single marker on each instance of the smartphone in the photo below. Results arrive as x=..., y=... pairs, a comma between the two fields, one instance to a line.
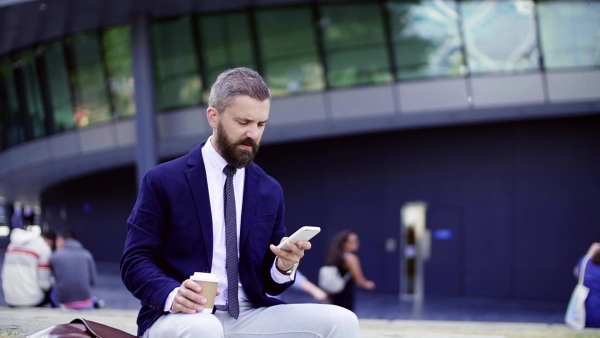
x=303, y=234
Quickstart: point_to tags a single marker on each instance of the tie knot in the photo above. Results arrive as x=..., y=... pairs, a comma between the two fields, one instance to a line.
x=229, y=170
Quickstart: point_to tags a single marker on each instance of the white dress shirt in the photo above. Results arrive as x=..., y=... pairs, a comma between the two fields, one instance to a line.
x=214, y=164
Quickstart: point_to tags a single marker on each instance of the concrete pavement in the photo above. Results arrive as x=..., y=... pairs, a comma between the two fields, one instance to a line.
x=22, y=322
x=380, y=315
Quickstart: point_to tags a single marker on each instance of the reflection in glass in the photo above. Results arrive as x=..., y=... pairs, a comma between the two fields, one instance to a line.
x=426, y=38
x=500, y=36
x=117, y=56
x=60, y=93
x=35, y=124
x=89, y=85
x=570, y=33
x=289, y=53
x=14, y=127
x=177, y=79
x=226, y=43
x=354, y=43
x=3, y=108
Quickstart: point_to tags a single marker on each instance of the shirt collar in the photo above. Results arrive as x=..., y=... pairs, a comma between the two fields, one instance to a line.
x=212, y=157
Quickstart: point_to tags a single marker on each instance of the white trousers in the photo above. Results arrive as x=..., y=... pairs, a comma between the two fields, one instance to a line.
x=286, y=320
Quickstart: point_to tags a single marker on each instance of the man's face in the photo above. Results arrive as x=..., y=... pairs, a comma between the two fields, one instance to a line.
x=239, y=129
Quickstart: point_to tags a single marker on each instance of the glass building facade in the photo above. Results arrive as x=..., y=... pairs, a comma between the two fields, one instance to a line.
x=86, y=79
x=487, y=110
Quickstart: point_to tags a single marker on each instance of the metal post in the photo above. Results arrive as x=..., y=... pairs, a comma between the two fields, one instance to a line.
x=145, y=122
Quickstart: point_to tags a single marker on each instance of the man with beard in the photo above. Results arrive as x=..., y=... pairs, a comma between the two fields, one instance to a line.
x=182, y=223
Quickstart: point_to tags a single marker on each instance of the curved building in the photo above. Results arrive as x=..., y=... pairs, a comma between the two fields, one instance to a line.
x=487, y=111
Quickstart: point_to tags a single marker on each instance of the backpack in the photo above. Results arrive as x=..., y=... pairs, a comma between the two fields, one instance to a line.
x=330, y=279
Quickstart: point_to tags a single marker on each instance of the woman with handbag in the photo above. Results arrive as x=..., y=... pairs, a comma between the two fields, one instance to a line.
x=343, y=254
x=591, y=280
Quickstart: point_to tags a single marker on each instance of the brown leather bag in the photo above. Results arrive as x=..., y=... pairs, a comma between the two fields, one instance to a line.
x=81, y=328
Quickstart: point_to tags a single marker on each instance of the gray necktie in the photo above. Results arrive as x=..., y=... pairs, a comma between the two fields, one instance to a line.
x=231, y=243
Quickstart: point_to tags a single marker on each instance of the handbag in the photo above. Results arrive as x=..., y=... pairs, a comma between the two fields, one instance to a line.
x=330, y=279
x=575, y=315
x=81, y=328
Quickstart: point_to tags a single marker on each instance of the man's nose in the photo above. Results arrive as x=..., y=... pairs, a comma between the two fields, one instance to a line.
x=253, y=132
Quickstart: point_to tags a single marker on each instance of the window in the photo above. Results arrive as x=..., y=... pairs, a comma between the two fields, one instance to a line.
x=117, y=55
x=289, y=51
x=354, y=42
x=4, y=69
x=426, y=39
x=570, y=33
x=59, y=89
x=226, y=43
x=88, y=81
x=35, y=116
x=12, y=122
x=177, y=79
x=500, y=36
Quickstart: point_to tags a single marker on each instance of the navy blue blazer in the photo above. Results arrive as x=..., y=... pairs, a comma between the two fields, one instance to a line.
x=170, y=234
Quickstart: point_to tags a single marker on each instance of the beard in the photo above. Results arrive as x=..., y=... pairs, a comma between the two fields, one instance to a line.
x=230, y=151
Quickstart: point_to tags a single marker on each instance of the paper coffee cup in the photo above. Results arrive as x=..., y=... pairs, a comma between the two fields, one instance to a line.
x=209, y=283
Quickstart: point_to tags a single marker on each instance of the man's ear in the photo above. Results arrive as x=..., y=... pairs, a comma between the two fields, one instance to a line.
x=211, y=117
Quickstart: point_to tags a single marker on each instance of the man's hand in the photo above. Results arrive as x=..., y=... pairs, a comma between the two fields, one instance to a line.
x=287, y=259
x=594, y=248
x=188, y=298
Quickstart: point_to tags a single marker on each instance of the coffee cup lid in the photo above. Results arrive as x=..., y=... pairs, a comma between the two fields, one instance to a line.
x=209, y=277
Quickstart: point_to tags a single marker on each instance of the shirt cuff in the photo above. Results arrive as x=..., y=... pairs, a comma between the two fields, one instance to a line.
x=279, y=277
x=170, y=299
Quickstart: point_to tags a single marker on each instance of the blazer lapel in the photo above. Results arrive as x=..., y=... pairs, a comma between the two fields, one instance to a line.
x=250, y=191
x=196, y=177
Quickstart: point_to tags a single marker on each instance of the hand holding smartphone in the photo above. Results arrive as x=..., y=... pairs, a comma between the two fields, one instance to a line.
x=305, y=233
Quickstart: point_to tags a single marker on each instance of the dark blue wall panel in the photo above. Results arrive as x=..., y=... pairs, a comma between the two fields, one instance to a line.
x=523, y=197
x=96, y=207
x=521, y=200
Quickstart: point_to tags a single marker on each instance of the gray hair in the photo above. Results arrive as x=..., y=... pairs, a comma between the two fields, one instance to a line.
x=235, y=82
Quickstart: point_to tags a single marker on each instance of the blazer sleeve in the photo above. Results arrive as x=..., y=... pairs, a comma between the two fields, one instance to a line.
x=140, y=268
x=279, y=231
